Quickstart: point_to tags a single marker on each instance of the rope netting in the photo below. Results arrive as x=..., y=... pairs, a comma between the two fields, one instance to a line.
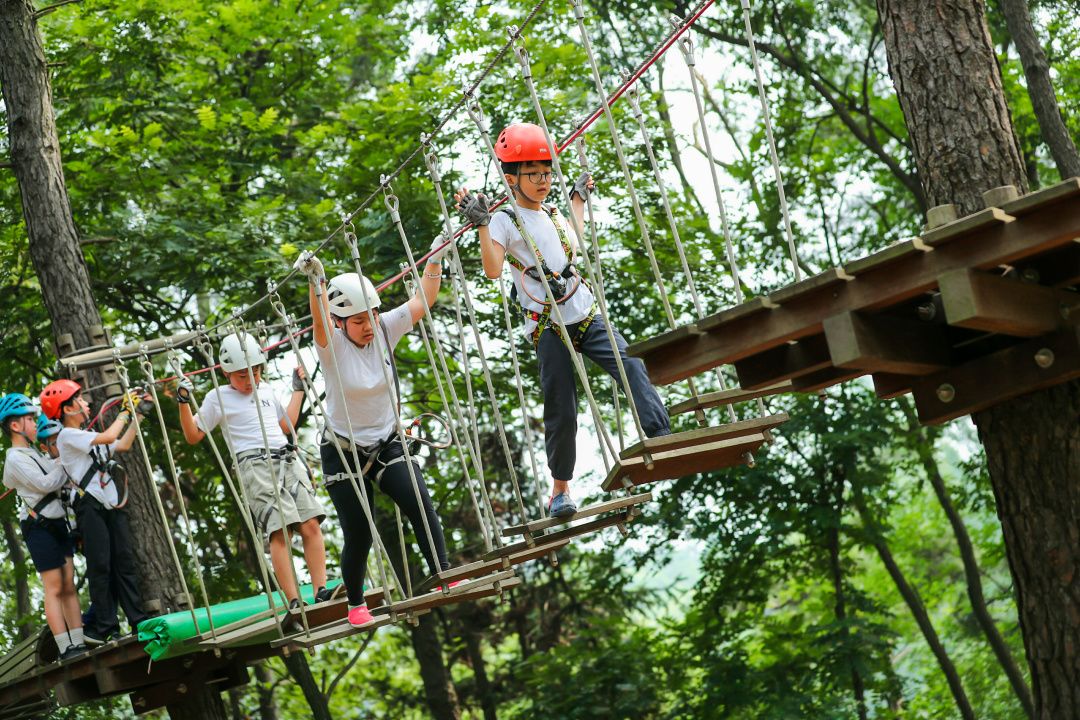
x=451, y=352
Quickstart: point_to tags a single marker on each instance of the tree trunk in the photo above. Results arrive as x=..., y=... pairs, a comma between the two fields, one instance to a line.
x=298, y=668
x=22, y=587
x=836, y=571
x=918, y=611
x=1041, y=91
x=264, y=680
x=484, y=691
x=65, y=280
x=950, y=90
x=949, y=84
x=971, y=571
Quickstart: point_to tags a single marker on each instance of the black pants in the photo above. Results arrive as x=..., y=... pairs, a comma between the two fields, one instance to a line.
x=110, y=569
x=396, y=483
x=558, y=380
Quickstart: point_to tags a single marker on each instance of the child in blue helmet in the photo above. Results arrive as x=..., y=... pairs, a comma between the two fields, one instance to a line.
x=38, y=480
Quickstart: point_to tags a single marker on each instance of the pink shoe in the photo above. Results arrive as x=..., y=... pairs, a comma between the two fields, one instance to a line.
x=453, y=584
x=360, y=616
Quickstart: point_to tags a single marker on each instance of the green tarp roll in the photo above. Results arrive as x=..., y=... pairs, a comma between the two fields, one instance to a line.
x=164, y=636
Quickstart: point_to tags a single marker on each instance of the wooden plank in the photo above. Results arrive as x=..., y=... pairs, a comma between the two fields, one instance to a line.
x=267, y=628
x=990, y=303
x=680, y=333
x=825, y=378
x=751, y=307
x=486, y=567
x=468, y=591
x=881, y=258
x=967, y=225
x=42, y=679
x=832, y=276
x=731, y=396
x=683, y=462
x=886, y=344
x=573, y=531
x=704, y=436
x=585, y=512
x=873, y=290
x=124, y=678
x=336, y=631
x=1042, y=199
x=786, y=362
x=998, y=377
x=888, y=386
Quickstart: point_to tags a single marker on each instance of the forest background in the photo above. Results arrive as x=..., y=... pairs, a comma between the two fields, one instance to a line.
x=205, y=144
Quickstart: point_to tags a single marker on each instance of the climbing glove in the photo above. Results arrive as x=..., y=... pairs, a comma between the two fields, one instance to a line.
x=297, y=380
x=438, y=250
x=583, y=186
x=184, y=390
x=476, y=208
x=311, y=266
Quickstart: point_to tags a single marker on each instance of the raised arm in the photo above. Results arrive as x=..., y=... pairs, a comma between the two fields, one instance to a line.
x=476, y=209
x=192, y=433
x=296, y=402
x=310, y=265
x=583, y=187
x=430, y=280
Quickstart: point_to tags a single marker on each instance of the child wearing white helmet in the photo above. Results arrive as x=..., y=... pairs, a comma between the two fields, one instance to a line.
x=522, y=150
x=278, y=490
x=357, y=397
x=38, y=479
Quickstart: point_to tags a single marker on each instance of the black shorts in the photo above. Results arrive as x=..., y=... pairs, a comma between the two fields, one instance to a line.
x=49, y=541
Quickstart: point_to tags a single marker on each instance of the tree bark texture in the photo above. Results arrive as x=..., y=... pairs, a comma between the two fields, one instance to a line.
x=949, y=84
x=20, y=567
x=65, y=280
x=264, y=680
x=298, y=668
x=474, y=644
x=836, y=570
x=918, y=611
x=1041, y=91
x=947, y=78
x=1033, y=449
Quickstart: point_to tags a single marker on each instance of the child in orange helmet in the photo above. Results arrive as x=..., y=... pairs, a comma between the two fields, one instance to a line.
x=523, y=151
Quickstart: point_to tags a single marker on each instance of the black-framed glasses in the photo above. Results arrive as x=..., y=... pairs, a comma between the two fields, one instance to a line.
x=538, y=177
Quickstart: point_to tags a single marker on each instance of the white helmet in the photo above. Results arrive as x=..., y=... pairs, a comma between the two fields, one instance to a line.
x=233, y=356
x=350, y=294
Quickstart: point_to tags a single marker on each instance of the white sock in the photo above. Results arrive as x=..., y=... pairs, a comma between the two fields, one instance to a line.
x=62, y=642
x=77, y=636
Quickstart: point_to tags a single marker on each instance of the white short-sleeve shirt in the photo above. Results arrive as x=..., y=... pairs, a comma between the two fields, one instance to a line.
x=363, y=388
x=77, y=453
x=33, y=475
x=243, y=430
x=541, y=228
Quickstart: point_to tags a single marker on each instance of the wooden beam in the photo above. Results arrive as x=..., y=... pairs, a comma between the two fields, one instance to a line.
x=886, y=344
x=874, y=288
x=966, y=225
x=991, y=303
x=486, y=567
x=786, y=362
x=620, y=518
x=704, y=436
x=1058, y=269
x=824, y=378
x=683, y=462
x=1006, y=374
x=888, y=386
x=730, y=396
x=478, y=589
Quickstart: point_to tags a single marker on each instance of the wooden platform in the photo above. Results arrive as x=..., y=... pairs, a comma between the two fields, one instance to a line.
x=941, y=313
x=559, y=536
x=730, y=396
x=480, y=568
x=680, y=462
x=468, y=590
x=703, y=436
x=586, y=512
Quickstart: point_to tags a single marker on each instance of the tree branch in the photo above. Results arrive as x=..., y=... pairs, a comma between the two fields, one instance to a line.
x=52, y=8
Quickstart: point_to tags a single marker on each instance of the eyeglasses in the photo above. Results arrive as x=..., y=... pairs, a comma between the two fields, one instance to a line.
x=538, y=177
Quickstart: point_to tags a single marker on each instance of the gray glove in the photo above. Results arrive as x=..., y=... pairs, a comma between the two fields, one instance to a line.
x=297, y=380
x=310, y=265
x=583, y=186
x=475, y=208
x=184, y=390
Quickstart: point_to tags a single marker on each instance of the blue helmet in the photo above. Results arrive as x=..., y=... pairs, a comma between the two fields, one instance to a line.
x=15, y=405
x=47, y=428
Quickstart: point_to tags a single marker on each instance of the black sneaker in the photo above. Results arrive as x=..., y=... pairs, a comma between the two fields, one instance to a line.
x=323, y=595
x=93, y=640
x=294, y=604
x=73, y=651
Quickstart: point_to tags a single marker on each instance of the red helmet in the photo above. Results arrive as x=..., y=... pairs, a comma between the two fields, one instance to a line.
x=56, y=394
x=522, y=142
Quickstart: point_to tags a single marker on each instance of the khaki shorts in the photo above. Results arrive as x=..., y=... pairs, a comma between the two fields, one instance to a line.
x=260, y=478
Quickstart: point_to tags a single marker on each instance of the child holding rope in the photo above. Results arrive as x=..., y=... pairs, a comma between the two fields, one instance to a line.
x=38, y=480
x=86, y=457
x=358, y=399
x=522, y=150
x=278, y=490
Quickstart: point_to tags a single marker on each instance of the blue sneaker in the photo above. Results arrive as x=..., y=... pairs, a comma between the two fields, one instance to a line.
x=561, y=506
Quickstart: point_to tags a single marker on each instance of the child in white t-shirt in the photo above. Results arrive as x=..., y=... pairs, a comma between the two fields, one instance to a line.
x=38, y=479
x=86, y=457
x=276, y=485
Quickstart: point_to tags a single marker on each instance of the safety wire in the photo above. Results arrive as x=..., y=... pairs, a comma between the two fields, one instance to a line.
x=455, y=258
x=203, y=343
x=354, y=478
x=686, y=49
x=122, y=373
x=772, y=141
x=391, y=202
x=241, y=331
x=579, y=15
x=148, y=371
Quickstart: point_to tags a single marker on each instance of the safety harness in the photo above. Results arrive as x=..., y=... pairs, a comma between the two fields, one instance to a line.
x=559, y=282
x=103, y=467
x=46, y=500
x=284, y=456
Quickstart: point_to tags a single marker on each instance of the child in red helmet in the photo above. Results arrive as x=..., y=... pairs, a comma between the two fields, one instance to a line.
x=86, y=457
x=523, y=151
x=38, y=479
